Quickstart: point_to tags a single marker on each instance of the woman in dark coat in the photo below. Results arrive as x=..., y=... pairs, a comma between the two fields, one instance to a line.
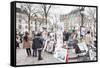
x=37, y=46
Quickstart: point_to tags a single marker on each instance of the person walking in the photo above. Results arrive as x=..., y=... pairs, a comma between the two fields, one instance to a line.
x=26, y=44
x=37, y=46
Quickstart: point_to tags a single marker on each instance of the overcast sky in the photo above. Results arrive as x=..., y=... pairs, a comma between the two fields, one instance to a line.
x=57, y=9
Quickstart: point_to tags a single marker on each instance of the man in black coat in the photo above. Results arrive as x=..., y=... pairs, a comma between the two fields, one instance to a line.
x=37, y=46
x=65, y=35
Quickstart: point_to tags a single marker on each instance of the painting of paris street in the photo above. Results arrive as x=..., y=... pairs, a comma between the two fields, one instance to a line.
x=47, y=33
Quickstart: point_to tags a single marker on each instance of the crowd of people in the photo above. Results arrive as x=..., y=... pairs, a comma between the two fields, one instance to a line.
x=46, y=41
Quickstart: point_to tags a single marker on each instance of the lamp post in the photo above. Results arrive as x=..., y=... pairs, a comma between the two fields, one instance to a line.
x=82, y=15
x=35, y=17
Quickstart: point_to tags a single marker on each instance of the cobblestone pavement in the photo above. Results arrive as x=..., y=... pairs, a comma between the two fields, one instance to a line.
x=23, y=59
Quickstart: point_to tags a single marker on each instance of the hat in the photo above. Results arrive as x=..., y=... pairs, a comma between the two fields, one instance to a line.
x=37, y=35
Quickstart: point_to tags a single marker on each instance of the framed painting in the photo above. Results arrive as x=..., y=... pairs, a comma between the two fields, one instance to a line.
x=52, y=33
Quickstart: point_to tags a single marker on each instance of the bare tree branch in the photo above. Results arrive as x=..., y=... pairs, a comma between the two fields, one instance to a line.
x=48, y=9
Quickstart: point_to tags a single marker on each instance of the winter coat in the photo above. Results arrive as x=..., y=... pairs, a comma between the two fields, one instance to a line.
x=88, y=39
x=26, y=44
x=37, y=43
x=65, y=36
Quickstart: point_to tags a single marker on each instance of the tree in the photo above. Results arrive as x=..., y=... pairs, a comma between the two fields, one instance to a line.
x=30, y=11
x=92, y=14
x=46, y=9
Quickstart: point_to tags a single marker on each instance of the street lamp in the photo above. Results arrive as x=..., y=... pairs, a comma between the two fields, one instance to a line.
x=35, y=17
x=82, y=15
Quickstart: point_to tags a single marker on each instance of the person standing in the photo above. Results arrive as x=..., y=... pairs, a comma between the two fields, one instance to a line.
x=21, y=36
x=17, y=40
x=44, y=36
x=89, y=41
x=37, y=46
x=65, y=35
x=34, y=47
x=88, y=38
x=26, y=44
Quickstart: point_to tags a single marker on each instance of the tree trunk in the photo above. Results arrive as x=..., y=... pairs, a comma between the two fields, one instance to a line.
x=29, y=23
x=46, y=20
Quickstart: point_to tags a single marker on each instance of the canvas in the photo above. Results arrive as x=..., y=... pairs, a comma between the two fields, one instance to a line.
x=51, y=33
